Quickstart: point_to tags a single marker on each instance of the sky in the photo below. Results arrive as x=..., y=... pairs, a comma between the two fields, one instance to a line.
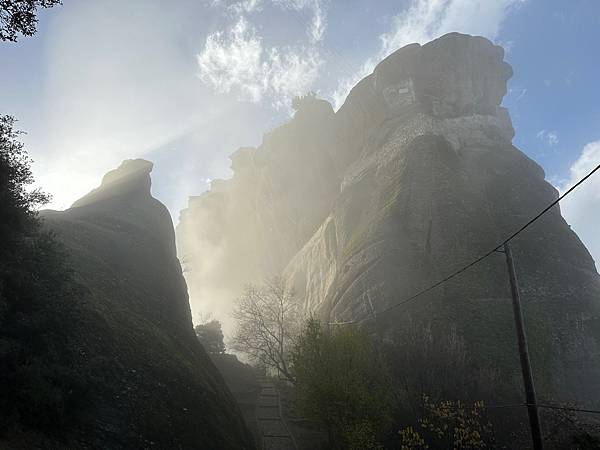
x=185, y=83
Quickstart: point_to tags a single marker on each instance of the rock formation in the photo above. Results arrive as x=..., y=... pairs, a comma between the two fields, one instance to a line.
x=151, y=384
x=252, y=225
x=412, y=178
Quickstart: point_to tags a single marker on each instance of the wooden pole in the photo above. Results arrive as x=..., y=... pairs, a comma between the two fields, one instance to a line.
x=534, y=418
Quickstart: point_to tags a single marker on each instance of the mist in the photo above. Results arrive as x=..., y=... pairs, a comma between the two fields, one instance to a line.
x=299, y=224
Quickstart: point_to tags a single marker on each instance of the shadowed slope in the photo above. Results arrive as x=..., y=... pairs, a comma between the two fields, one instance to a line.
x=153, y=385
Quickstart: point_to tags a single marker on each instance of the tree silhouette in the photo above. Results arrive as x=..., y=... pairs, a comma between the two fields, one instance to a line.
x=20, y=17
x=210, y=336
x=17, y=203
x=267, y=321
x=343, y=383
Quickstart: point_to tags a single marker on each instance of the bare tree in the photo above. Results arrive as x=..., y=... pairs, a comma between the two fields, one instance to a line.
x=268, y=321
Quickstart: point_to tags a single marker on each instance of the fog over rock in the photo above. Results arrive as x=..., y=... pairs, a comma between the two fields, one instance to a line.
x=411, y=179
x=251, y=225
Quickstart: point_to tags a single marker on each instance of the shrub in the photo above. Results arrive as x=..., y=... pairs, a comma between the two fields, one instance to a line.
x=210, y=336
x=40, y=384
x=448, y=424
x=341, y=382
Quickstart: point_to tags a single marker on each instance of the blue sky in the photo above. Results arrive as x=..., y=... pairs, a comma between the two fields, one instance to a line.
x=187, y=83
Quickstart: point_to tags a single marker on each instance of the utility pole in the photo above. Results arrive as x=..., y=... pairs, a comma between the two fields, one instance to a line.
x=534, y=418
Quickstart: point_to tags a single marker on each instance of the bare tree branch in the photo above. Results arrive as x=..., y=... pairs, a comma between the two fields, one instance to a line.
x=268, y=319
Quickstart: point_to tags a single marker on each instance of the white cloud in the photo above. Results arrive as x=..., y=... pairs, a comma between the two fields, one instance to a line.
x=518, y=92
x=425, y=20
x=238, y=6
x=506, y=45
x=236, y=60
x=581, y=208
x=247, y=5
x=318, y=24
x=316, y=28
x=105, y=97
x=569, y=78
x=552, y=138
x=108, y=96
x=521, y=94
x=549, y=137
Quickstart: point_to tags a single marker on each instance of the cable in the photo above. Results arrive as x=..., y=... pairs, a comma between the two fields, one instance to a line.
x=555, y=202
x=564, y=408
x=481, y=258
x=541, y=405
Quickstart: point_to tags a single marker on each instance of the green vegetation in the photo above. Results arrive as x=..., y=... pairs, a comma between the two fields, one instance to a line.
x=19, y=17
x=210, y=336
x=39, y=388
x=17, y=203
x=568, y=429
x=449, y=424
x=102, y=356
x=342, y=382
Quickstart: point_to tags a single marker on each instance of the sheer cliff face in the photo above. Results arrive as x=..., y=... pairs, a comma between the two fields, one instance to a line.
x=249, y=227
x=423, y=178
x=150, y=382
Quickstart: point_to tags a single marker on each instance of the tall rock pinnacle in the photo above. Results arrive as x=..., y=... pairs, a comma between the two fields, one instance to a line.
x=411, y=179
x=151, y=384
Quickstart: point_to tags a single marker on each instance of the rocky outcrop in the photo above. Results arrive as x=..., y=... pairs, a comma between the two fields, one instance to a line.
x=422, y=179
x=250, y=226
x=150, y=383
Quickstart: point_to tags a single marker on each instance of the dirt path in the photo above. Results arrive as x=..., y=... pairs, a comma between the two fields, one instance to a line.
x=274, y=431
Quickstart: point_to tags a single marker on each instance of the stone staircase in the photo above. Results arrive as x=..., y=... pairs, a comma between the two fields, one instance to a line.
x=274, y=431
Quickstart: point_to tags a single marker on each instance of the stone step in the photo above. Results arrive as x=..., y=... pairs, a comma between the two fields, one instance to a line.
x=268, y=412
x=268, y=400
x=278, y=443
x=274, y=428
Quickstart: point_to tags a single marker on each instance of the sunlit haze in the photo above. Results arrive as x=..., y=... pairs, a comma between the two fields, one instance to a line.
x=299, y=224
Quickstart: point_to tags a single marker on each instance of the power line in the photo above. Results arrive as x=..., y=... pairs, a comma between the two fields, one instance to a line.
x=540, y=405
x=481, y=258
x=564, y=408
